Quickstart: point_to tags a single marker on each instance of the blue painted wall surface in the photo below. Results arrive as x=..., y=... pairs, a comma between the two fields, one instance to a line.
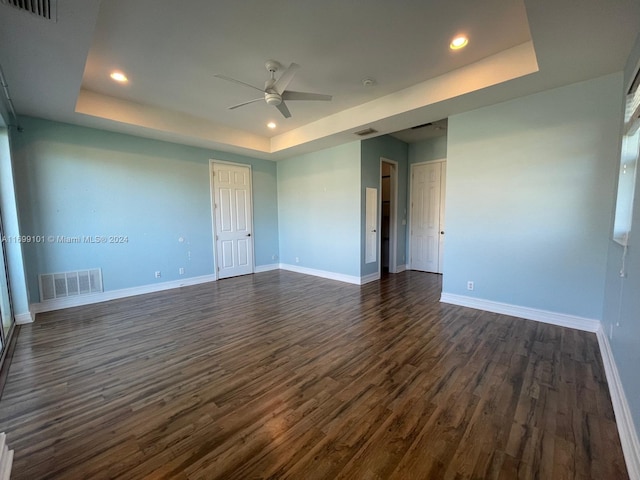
x=319, y=210
x=74, y=181
x=530, y=197
x=429, y=149
x=392, y=149
x=621, y=316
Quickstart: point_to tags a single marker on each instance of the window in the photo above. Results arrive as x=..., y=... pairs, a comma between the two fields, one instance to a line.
x=628, y=167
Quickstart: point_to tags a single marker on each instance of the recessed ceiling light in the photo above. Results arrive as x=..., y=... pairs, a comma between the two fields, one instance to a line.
x=458, y=42
x=119, y=77
x=368, y=82
x=271, y=125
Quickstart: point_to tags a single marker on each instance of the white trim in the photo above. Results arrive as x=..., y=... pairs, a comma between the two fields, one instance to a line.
x=401, y=268
x=68, y=302
x=212, y=199
x=266, y=268
x=370, y=278
x=545, y=316
x=624, y=419
x=24, y=318
x=212, y=195
x=341, y=277
x=393, y=217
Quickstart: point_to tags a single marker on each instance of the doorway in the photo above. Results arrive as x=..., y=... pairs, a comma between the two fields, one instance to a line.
x=426, y=238
x=388, y=210
x=232, y=207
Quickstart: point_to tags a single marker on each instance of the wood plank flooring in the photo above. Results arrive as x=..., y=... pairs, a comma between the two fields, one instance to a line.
x=284, y=376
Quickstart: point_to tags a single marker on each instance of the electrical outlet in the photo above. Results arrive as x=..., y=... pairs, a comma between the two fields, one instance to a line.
x=274, y=257
x=297, y=259
x=469, y=285
x=181, y=271
x=158, y=274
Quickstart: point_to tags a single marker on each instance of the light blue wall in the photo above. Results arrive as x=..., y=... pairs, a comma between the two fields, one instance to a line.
x=530, y=197
x=621, y=317
x=429, y=149
x=392, y=149
x=319, y=210
x=75, y=181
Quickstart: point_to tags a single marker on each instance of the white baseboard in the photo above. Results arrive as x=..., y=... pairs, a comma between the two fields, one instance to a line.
x=266, y=268
x=24, y=318
x=624, y=419
x=372, y=277
x=545, y=316
x=341, y=277
x=60, y=303
x=400, y=268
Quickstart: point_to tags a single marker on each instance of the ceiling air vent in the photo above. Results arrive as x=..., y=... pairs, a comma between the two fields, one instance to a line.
x=41, y=8
x=366, y=131
x=421, y=126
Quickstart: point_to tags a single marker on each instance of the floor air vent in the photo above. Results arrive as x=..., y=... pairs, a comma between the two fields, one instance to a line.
x=70, y=284
x=42, y=8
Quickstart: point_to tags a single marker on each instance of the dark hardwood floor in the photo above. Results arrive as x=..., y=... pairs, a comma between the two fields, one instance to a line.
x=281, y=375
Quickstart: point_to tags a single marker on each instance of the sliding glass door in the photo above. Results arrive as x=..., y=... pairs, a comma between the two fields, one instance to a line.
x=6, y=309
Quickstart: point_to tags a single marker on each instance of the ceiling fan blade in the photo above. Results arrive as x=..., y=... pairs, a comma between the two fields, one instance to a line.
x=246, y=103
x=290, y=95
x=284, y=110
x=286, y=77
x=229, y=79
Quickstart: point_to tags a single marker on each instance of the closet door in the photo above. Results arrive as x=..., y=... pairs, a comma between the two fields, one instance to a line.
x=427, y=217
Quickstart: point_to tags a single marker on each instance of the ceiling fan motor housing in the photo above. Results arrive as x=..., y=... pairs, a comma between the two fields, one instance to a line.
x=273, y=99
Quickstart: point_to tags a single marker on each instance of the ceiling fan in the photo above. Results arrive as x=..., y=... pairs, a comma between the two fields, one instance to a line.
x=275, y=91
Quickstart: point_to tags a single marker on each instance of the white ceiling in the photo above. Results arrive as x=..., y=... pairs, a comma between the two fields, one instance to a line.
x=171, y=50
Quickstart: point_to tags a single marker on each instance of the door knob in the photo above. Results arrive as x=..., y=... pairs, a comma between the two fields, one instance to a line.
x=373, y=231
x=248, y=234
x=442, y=233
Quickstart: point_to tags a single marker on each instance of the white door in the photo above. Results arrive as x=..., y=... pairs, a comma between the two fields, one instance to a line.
x=371, y=225
x=427, y=208
x=233, y=219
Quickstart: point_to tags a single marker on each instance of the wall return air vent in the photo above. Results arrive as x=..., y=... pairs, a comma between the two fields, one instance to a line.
x=70, y=284
x=47, y=9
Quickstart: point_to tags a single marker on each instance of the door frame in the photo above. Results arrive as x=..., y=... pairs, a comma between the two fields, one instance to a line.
x=212, y=197
x=438, y=160
x=393, y=218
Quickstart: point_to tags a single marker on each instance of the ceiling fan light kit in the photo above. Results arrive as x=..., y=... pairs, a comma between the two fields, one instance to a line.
x=275, y=90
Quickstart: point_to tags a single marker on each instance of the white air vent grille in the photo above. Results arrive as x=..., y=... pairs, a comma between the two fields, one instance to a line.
x=42, y=8
x=366, y=131
x=70, y=284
